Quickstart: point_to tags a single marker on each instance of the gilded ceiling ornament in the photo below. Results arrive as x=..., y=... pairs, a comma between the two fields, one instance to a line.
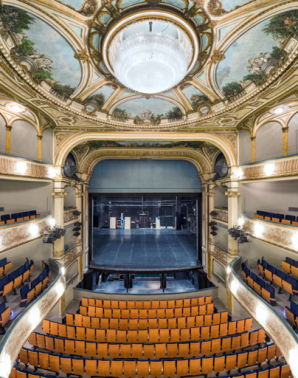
x=82, y=55
x=216, y=8
x=217, y=57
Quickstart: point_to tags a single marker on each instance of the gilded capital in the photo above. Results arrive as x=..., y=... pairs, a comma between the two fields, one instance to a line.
x=232, y=193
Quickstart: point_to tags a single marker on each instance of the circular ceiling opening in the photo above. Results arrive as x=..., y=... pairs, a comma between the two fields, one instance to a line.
x=150, y=53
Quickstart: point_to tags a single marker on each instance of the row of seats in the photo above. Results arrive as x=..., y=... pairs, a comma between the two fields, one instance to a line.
x=292, y=313
x=276, y=217
x=146, y=336
x=138, y=350
x=5, y=314
x=37, y=286
x=262, y=288
x=18, y=217
x=153, y=368
x=276, y=371
x=160, y=313
x=290, y=266
x=15, y=279
x=5, y=267
x=146, y=305
x=281, y=279
x=125, y=324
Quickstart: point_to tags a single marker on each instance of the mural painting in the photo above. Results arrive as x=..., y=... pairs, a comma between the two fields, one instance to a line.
x=98, y=98
x=197, y=99
x=147, y=111
x=85, y=7
x=41, y=50
x=146, y=144
x=254, y=56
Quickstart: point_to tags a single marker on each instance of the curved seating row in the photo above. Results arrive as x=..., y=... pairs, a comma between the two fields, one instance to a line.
x=5, y=267
x=145, y=368
x=292, y=314
x=276, y=217
x=5, y=314
x=146, y=314
x=290, y=266
x=262, y=288
x=18, y=217
x=280, y=370
x=146, y=305
x=147, y=335
x=125, y=324
x=164, y=349
x=283, y=280
x=15, y=279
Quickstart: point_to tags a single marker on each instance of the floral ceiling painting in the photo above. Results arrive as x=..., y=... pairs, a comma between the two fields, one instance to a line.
x=41, y=50
x=254, y=56
x=98, y=98
x=231, y=4
x=147, y=111
x=194, y=96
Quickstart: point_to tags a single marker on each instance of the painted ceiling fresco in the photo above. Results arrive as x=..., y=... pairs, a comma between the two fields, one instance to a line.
x=77, y=4
x=99, y=97
x=231, y=4
x=255, y=55
x=151, y=110
x=194, y=95
x=42, y=50
x=146, y=144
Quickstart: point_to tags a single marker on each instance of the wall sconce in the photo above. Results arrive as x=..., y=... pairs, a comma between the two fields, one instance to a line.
x=34, y=230
x=15, y=108
x=259, y=229
x=234, y=287
x=241, y=222
x=278, y=110
x=52, y=222
x=269, y=169
x=60, y=289
x=34, y=317
x=21, y=167
x=294, y=241
x=5, y=365
x=238, y=173
x=261, y=314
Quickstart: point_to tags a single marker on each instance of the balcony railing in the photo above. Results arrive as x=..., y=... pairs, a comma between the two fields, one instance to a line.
x=272, y=322
x=22, y=327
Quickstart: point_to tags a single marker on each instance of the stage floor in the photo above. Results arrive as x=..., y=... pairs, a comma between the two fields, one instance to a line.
x=144, y=249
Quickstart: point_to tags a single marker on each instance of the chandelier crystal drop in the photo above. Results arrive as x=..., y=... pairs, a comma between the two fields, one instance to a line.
x=150, y=62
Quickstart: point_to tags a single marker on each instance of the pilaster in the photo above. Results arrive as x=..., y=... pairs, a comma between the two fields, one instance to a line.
x=210, y=199
x=39, y=147
x=285, y=140
x=253, y=149
x=8, y=139
x=59, y=195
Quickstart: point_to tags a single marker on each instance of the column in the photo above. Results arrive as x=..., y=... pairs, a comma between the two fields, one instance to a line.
x=59, y=195
x=285, y=140
x=253, y=149
x=233, y=245
x=8, y=139
x=79, y=207
x=210, y=208
x=85, y=222
x=39, y=148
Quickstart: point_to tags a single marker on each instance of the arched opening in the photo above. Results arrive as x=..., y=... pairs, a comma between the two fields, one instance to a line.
x=272, y=131
x=146, y=220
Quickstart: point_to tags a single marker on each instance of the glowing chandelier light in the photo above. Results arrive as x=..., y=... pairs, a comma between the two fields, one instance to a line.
x=150, y=59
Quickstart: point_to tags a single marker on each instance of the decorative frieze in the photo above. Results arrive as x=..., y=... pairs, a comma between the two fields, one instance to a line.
x=222, y=215
x=70, y=216
x=277, y=234
x=19, y=233
x=287, y=166
x=9, y=166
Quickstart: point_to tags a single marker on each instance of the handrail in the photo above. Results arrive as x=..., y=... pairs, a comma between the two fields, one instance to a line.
x=29, y=319
x=273, y=323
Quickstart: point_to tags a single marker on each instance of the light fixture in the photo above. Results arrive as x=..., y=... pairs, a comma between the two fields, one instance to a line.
x=34, y=317
x=241, y=222
x=294, y=241
x=5, y=365
x=228, y=270
x=261, y=314
x=34, y=230
x=52, y=222
x=259, y=229
x=238, y=173
x=52, y=172
x=60, y=289
x=292, y=361
x=63, y=271
x=21, y=167
x=234, y=287
x=269, y=169
x=278, y=110
x=150, y=51
x=15, y=108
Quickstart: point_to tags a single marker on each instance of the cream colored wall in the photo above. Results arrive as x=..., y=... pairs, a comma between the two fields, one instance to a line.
x=47, y=146
x=244, y=147
x=23, y=140
x=17, y=196
x=220, y=199
x=293, y=135
x=221, y=239
x=269, y=141
x=70, y=199
x=2, y=135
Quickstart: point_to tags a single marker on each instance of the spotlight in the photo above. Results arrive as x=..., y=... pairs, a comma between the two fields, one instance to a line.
x=259, y=229
x=34, y=317
x=21, y=167
x=76, y=212
x=228, y=270
x=63, y=271
x=294, y=241
x=52, y=222
x=214, y=213
x=241, y=222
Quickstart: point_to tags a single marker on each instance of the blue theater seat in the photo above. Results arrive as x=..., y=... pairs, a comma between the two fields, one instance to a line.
x=279, y=216
x=291, y=218
x=5, y=217
x=24, y=291
x=3, y=262
x=34, y=283
x=290, y=261
x=2, y=307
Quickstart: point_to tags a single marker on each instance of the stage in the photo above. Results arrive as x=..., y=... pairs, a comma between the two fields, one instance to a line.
x=144, y=250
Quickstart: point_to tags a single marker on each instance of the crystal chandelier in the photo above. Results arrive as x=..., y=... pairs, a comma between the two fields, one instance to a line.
x=150, y=61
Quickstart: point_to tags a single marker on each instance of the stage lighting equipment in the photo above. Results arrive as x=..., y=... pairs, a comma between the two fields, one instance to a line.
x=238, y=233
x=214, y=213
x=76, y=234
x=77, y=213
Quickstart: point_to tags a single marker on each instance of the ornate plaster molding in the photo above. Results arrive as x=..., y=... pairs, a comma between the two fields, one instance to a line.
x=69, y=216
x=19, y=233
x=222, y=215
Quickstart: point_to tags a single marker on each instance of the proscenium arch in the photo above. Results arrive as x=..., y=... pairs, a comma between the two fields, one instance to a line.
x=90, y=161
x=214, y=139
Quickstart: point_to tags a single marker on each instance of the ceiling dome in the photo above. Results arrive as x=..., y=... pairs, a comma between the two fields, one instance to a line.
x=150, y=55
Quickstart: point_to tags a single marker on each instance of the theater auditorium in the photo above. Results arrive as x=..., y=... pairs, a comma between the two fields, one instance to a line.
x=148, y=188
